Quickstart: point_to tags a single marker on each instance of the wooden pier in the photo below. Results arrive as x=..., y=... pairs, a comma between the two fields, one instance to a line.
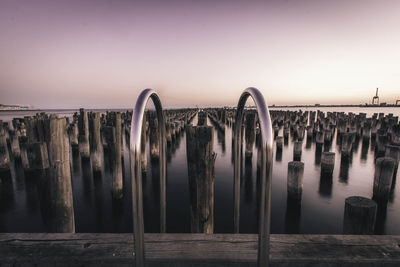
x=197, y=250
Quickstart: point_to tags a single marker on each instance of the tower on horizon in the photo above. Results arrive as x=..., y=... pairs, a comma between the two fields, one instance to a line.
x=375, y=99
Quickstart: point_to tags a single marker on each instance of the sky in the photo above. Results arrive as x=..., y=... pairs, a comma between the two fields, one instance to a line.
x=102, y=53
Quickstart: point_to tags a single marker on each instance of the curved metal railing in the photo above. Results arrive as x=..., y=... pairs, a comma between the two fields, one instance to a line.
x=266, y=170
x=136, y=170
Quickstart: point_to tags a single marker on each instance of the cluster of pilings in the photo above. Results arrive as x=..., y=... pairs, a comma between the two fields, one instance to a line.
x=382, y=132
x=41, y=146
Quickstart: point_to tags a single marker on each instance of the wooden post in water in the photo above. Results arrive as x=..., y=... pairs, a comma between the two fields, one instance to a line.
x=279, y=142
x=297, y=148
x=201, y=159
x=38, y=156
x=113, y=136
x=383, y=177
x=153, y=137
x=96, y=143
x=295, y=179
x=143, y=146
x=394, y=153
x=60, y=188
x=15, y=148
x=346, y=146
x=73, y=135
x=359, y=216
x=250, y=133
x=202, y=118
x=327, y=163
x=84, y=147
x=4, y=155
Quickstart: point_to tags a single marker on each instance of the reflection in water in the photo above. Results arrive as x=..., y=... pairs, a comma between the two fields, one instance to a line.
x=117, y=214
x=87, y=181
x=248, y=180
x=381, y=218
x=325, y=185
x=221, y=140
x=308, y=143
x=99, y=201
x=364, y=150
x=278, y=155
x=76, y=161
x=292, y=216
x=318, y=153
x=344, y=170
x=7, y=198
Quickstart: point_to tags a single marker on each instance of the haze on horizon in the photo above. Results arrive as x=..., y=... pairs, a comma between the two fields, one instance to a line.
x=101, y=54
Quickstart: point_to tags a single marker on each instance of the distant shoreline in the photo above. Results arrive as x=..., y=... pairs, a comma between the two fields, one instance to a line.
x=270, y=106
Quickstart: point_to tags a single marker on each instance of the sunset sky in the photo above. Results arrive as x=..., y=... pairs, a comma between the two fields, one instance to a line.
x=101, y=53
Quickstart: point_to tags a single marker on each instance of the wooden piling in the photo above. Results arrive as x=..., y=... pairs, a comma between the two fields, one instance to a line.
x=201, y=159
x=15, y=148
x=359, y=216
x=327, y=163
x=384, y=169
x=113, y=136
x=143, y=154
x=60, y=188
x=4, y=155
x=95, y=142
x=84, y=147
x=201, y=118
x=153, y=137
x=38, y=156
x=297, y=148
x=250, y=125
x=295, y=179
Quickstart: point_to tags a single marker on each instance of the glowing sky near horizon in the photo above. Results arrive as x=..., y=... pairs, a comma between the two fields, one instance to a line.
x=101, y=53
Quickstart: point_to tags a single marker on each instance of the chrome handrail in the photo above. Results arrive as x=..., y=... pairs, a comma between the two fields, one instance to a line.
x=136, y=170
x=266, y=170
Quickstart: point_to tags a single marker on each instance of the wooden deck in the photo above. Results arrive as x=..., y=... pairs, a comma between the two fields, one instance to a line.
x=197, y=250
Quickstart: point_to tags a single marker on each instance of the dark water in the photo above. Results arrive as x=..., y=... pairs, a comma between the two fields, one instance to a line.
x=320, y=212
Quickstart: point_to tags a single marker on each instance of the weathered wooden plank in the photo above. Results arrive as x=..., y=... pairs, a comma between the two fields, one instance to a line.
x=197, y=250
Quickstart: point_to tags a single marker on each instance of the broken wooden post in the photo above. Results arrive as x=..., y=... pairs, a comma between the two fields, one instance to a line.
x=327, y=163
x=84, y=147
x=359, y=216
x=295, y=179
x=95, y=142
x=384, y=169
x=60, y=188
x=201, y=159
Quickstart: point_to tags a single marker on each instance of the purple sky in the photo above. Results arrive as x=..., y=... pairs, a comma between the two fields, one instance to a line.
x=101, y=53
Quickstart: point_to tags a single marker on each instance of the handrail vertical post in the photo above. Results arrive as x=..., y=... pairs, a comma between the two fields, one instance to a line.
x=266, y=170
x=136, y=171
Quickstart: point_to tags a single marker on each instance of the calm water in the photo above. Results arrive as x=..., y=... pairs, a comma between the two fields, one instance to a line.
x=321, y=209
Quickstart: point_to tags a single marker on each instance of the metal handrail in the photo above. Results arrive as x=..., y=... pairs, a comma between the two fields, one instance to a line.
x=266, y=170
x=136, y=170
